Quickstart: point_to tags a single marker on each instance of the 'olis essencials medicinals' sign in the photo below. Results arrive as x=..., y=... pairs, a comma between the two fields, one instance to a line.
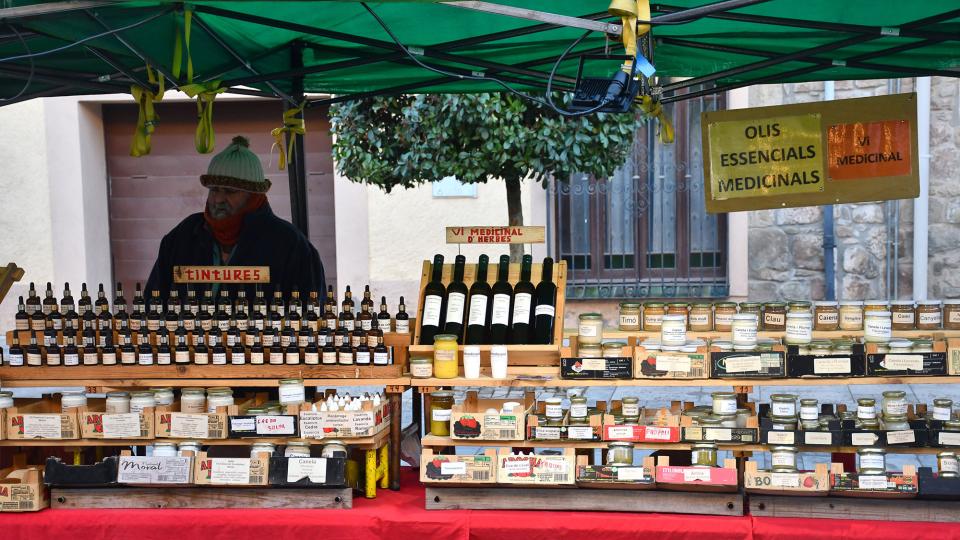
x=811, y=153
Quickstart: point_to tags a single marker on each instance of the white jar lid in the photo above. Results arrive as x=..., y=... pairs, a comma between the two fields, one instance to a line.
x=799, y=315
x=745, y=317
x=902, y=303
x=885, y=314
x=930, y=302
x=856, y=303
x=825, y=303
x=674, y=317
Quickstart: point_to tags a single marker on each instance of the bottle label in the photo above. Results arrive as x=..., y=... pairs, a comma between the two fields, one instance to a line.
x=58, y=324
x=47, y=308
x=630, y=409
x=431, y=310
x=366, y=324
x=183, y=357
x=34, y=359
x=828, y=317
x=363, y=357
x=355, y=341
x=903, y=317
x=53, y=359
x=37, y=324
x=546, y=309
x=939, y=413
x=135, y=325
x=478, y=310
x=128, y=357
x=303, y=340
x=171, y=325
x=403, y=326
x=384, y=325
x=554, y=410
x=878, y=327
x=294, y=324
x=201, y=358
x=329, y=357
x=90, y=359
x=312, y=358
x=626, y=321
x=145, y=359
x=284, y=341
x=345, y=358
x=521, y=308
x=219, y=359
x=379, y=358
x=774, y=319
x=15, y=359
x=223, y=325
x=249, y=340
x=206, y=324
x=243, y=324
x=109, y=359
x=268, y=340
x=153, y=325
x=799, y=330
x=30, y=309
x=349, y=325
x=783, y=458
x=785, y=408
x=809, y=413
x=256, y=357
x=578, y=410
x=455, y=303
x=372, y=341
x=932, y=318
x=866, y=413
x=442, y=415
x=163, y=359
x=501, y=309
x=23, y=324
x=71, y=359
x=292, y=358
x=276, y=357
x=238, y=358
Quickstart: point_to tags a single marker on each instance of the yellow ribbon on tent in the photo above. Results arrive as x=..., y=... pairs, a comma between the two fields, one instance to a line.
x=630, y=11
x=181, y=40
x=654, y=109
x=147, y=118
x=292, y=126
x=205, y=94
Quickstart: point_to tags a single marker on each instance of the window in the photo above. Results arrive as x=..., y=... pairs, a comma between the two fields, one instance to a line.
x=644, y=232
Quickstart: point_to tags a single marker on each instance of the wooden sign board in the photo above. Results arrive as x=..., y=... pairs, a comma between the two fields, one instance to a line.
x=496, y=235
x=809, y=154
x=221, y=274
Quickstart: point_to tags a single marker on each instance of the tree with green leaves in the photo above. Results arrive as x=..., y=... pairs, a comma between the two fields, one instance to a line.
x=408, y=140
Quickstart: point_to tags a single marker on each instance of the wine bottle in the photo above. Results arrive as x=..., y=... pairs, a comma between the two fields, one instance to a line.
x=456, y=300
x=521, y=330
x=433, y=295
x=479, y=318
x=502, y=300
x=546, y=301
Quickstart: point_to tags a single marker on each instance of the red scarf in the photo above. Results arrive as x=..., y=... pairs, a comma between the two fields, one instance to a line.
x=227, y=230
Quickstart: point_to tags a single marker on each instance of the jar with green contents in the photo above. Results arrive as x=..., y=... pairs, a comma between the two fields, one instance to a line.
x=703, y=454
x=872, y=461
x=630, y=409
x=783, y=459
x=579, y=412
x=441, y=404
x=620, y=453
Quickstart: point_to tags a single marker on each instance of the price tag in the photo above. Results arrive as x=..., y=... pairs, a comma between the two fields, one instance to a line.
x=580, y=433
x=780, y=437
x=275, y=425
x=949, y=439
x=673, y=363
x=594, y=364
x=517, y=466
x=453, y=468
x=42, y=426
x=230, y=471
x=652, y=433
x=121, y=426
x=814, y=438
x=863, y=439
x=189, y=426
x=903, y=362
x=872, y=482
x=743, y=364
x=153, y=470
x=549, y=433
x=631, y=473
x=620, y=432
x=718, y=434
x=901, y=437
x=790, y=480
x=831, y=366
x=313, y=469
x=696, y=474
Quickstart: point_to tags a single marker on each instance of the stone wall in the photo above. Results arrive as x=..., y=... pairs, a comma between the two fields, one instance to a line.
x=874, y=254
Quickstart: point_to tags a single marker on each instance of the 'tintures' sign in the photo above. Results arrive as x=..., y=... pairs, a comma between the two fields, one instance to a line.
x=496, y=235
x=221, y=274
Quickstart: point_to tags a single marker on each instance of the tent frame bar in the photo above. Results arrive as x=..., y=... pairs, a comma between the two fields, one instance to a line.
x=140, y=54
x=35, y=10
x=540, y=16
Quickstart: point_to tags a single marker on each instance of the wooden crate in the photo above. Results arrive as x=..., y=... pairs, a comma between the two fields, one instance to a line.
x=807, y=483
x=95, y=423
x=519, y=355
x=45, y=415
x=21, y=487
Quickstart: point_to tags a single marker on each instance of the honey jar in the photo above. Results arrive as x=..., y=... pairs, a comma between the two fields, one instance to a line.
x=775, y=317
x=653, y=313
x=903, y=315
x=929, y=315
x=723, y=316
x=826, y=316
x=701, y=317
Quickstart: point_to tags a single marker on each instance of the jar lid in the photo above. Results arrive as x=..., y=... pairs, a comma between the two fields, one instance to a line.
x=894, y=394
x=333, y=442
x=76, y=393
x=677, y=304
x=142, y=394
x=670, y=348
x=783, y=449
x=219, y=389
x=825, y=303
x=901, y=343
x=799, y=303
x=808, y=401
x=866, y=401
x=444, y=337
x=704, y=446
x=219, y=393
x=929, y=303
x=630, y=305
x=654, y=304
x=952, y=302
x=725, y=304
x=745, y=317
x=298, y=443
x=799, y=315
x=871, y=450
x=118, y=394
x=188, y=443
x=946, y=454
x=673, y=317
x=578, y=399
x=291, y=381
x=162, y=389
x=7, y=393
x=614, y=344
x=421, y=360
x=716, y=395
x=884, y=314
x=783, y=397
x=193, y=390
x=902, y=303
x=775, y=304
x=164, y=444
x=942, y=401
x=744, y=348
x=620, y=444
x=586, y=316
x=688, y=349
x=722, y=343
x=749, y=305
x=442, y=394
x=702, y=304
x=553, y=400
x=630, y=399
x=853, y=303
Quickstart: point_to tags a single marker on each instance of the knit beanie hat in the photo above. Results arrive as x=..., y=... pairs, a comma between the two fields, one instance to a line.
x=236, y=167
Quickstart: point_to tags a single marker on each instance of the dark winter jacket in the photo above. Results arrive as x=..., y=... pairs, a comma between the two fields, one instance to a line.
x=265, y=240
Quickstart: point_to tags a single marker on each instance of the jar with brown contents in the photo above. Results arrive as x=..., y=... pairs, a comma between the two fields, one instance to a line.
x=653, y=313
x=903, y=315
x=701, y=317
x=679, y=308
x=951, y=314
x=929, y=315
x=851, y=315
x=630, y=316
x=775, y=316
x=826, y=316
x=754, y=308
x=723, y=313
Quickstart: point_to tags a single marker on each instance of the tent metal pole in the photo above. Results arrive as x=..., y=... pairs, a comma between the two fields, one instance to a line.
x=21, y=73
x=541, y=16
x=709, y=10
x=296, y=168
x=140, y=54
x=110, y=61
x=50, y=8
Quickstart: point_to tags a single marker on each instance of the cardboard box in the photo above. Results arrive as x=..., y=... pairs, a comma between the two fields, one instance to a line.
x=243, y=425
x=912, y=364
x=456, y=470
x=918, y=435
x=155, y=471
x=22, y=488
x=670, y=365
x=748, y=365
x=833, y=436
x=886, y=486
x=596, y=368
x=343, y=424
x=938, y=438
x=58, y=473
x=538, y=469
x=95, y=423
x=308, y=472
x=231, y=471
x=593, y=431
x=932, y=486
x=744, y=435
x=469, y=420
x=616, y=476
x=41, y=419
x=170, y=423
x=953, y=356
x=801, y=483
x=826, y=366
x=687, y=478
x=654, y=426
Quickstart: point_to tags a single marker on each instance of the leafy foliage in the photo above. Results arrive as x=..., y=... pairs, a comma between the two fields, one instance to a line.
x=412, y=139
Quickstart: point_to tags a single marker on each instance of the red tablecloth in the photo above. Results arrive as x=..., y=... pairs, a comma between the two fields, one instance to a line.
x=401, y=515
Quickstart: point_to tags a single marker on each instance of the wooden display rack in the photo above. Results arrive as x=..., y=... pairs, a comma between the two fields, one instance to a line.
x=201, y=497
x=520, y=355
x=853, y=508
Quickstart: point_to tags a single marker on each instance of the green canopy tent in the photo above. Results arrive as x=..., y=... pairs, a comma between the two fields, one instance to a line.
x=347, y=49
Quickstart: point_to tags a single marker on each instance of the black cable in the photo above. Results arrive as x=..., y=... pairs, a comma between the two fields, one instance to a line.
x=29, y=81
x=553, y=72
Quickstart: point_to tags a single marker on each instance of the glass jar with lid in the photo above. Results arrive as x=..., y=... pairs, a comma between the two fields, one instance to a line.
x=333, y=448
x=71, y=400
x=809, y=409
x=589, y=350
x=783, y=459
x=903, y=315
x=446, y=356
x=783, y=405
x=6, y=399
x=701, y=317
x=441, y=405
x=703, y=454
x=679, y=308
x=783, y=423
x=117, y=402
x=922, y=345
x=826, y=316
x=218, y=398
x=292, y=391
x=947, y=465
x=876, y=305
x=620, y=453
x=872, y=461
x=877, y=327
x=142, y=400
x=631, y=316
x=744, y=330
x=262, y=448
x=752, y=307
x=951, y=314
x=614, y=349
x=164, y=449
x=553, y=410
x=193, y=400
x=774, y=316
x=300, y=449
x=188, y=446
x=799, y=306
x=723, y=313
x=896, y=423
x=630, y=408
x=579, y=412
x=841, y=346
x=743, y=415
x=653, y=313
x=799, y=328
x=673, y=330
x=866, y=409
x=942, y=409
x=421, y=367
x=851, y=315
x=163, y=395
x=724, y=402
x=894, y=403
x=722, y=345
x=929, y=315
x=590, y=329
x=899, y=346
x=951, y=425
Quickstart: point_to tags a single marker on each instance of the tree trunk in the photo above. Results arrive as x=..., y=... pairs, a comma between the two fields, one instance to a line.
x=515, y=214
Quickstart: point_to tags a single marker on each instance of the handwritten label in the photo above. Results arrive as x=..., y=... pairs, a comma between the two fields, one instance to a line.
x=551, y=433
x=901, y=437
x=825, y=439
x=620, y=432
x=696, y=474
x=313, y=469
x=42, y=426
x=361, y=422
x=580, y=433
x=863, y=439
x=243, y=424
x=594, y=364
x=656, y=433
x=718, y=434
x=520, y=466
x=221, y=274
x=743, y=364
x=680, y=364
x=903, y=362
x=831, y=366
x=456, y=468
x=121, y=426
x=275, y=425
x=230, y=471
x=496, y=235
x=153, y=470
x=789, y=480
x=780, y=437
x=631, y=473
x=872, y=482
x=189, y=426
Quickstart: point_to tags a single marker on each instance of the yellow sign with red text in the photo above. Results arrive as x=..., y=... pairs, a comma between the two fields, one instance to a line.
x=221, y=274
x=496, y=235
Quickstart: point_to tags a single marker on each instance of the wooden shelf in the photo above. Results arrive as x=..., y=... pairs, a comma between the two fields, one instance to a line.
x=362, y=443
x=832, y=334
x=110, y=384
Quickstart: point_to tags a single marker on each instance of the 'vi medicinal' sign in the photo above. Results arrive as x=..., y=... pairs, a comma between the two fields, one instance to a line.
x=811, y=154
